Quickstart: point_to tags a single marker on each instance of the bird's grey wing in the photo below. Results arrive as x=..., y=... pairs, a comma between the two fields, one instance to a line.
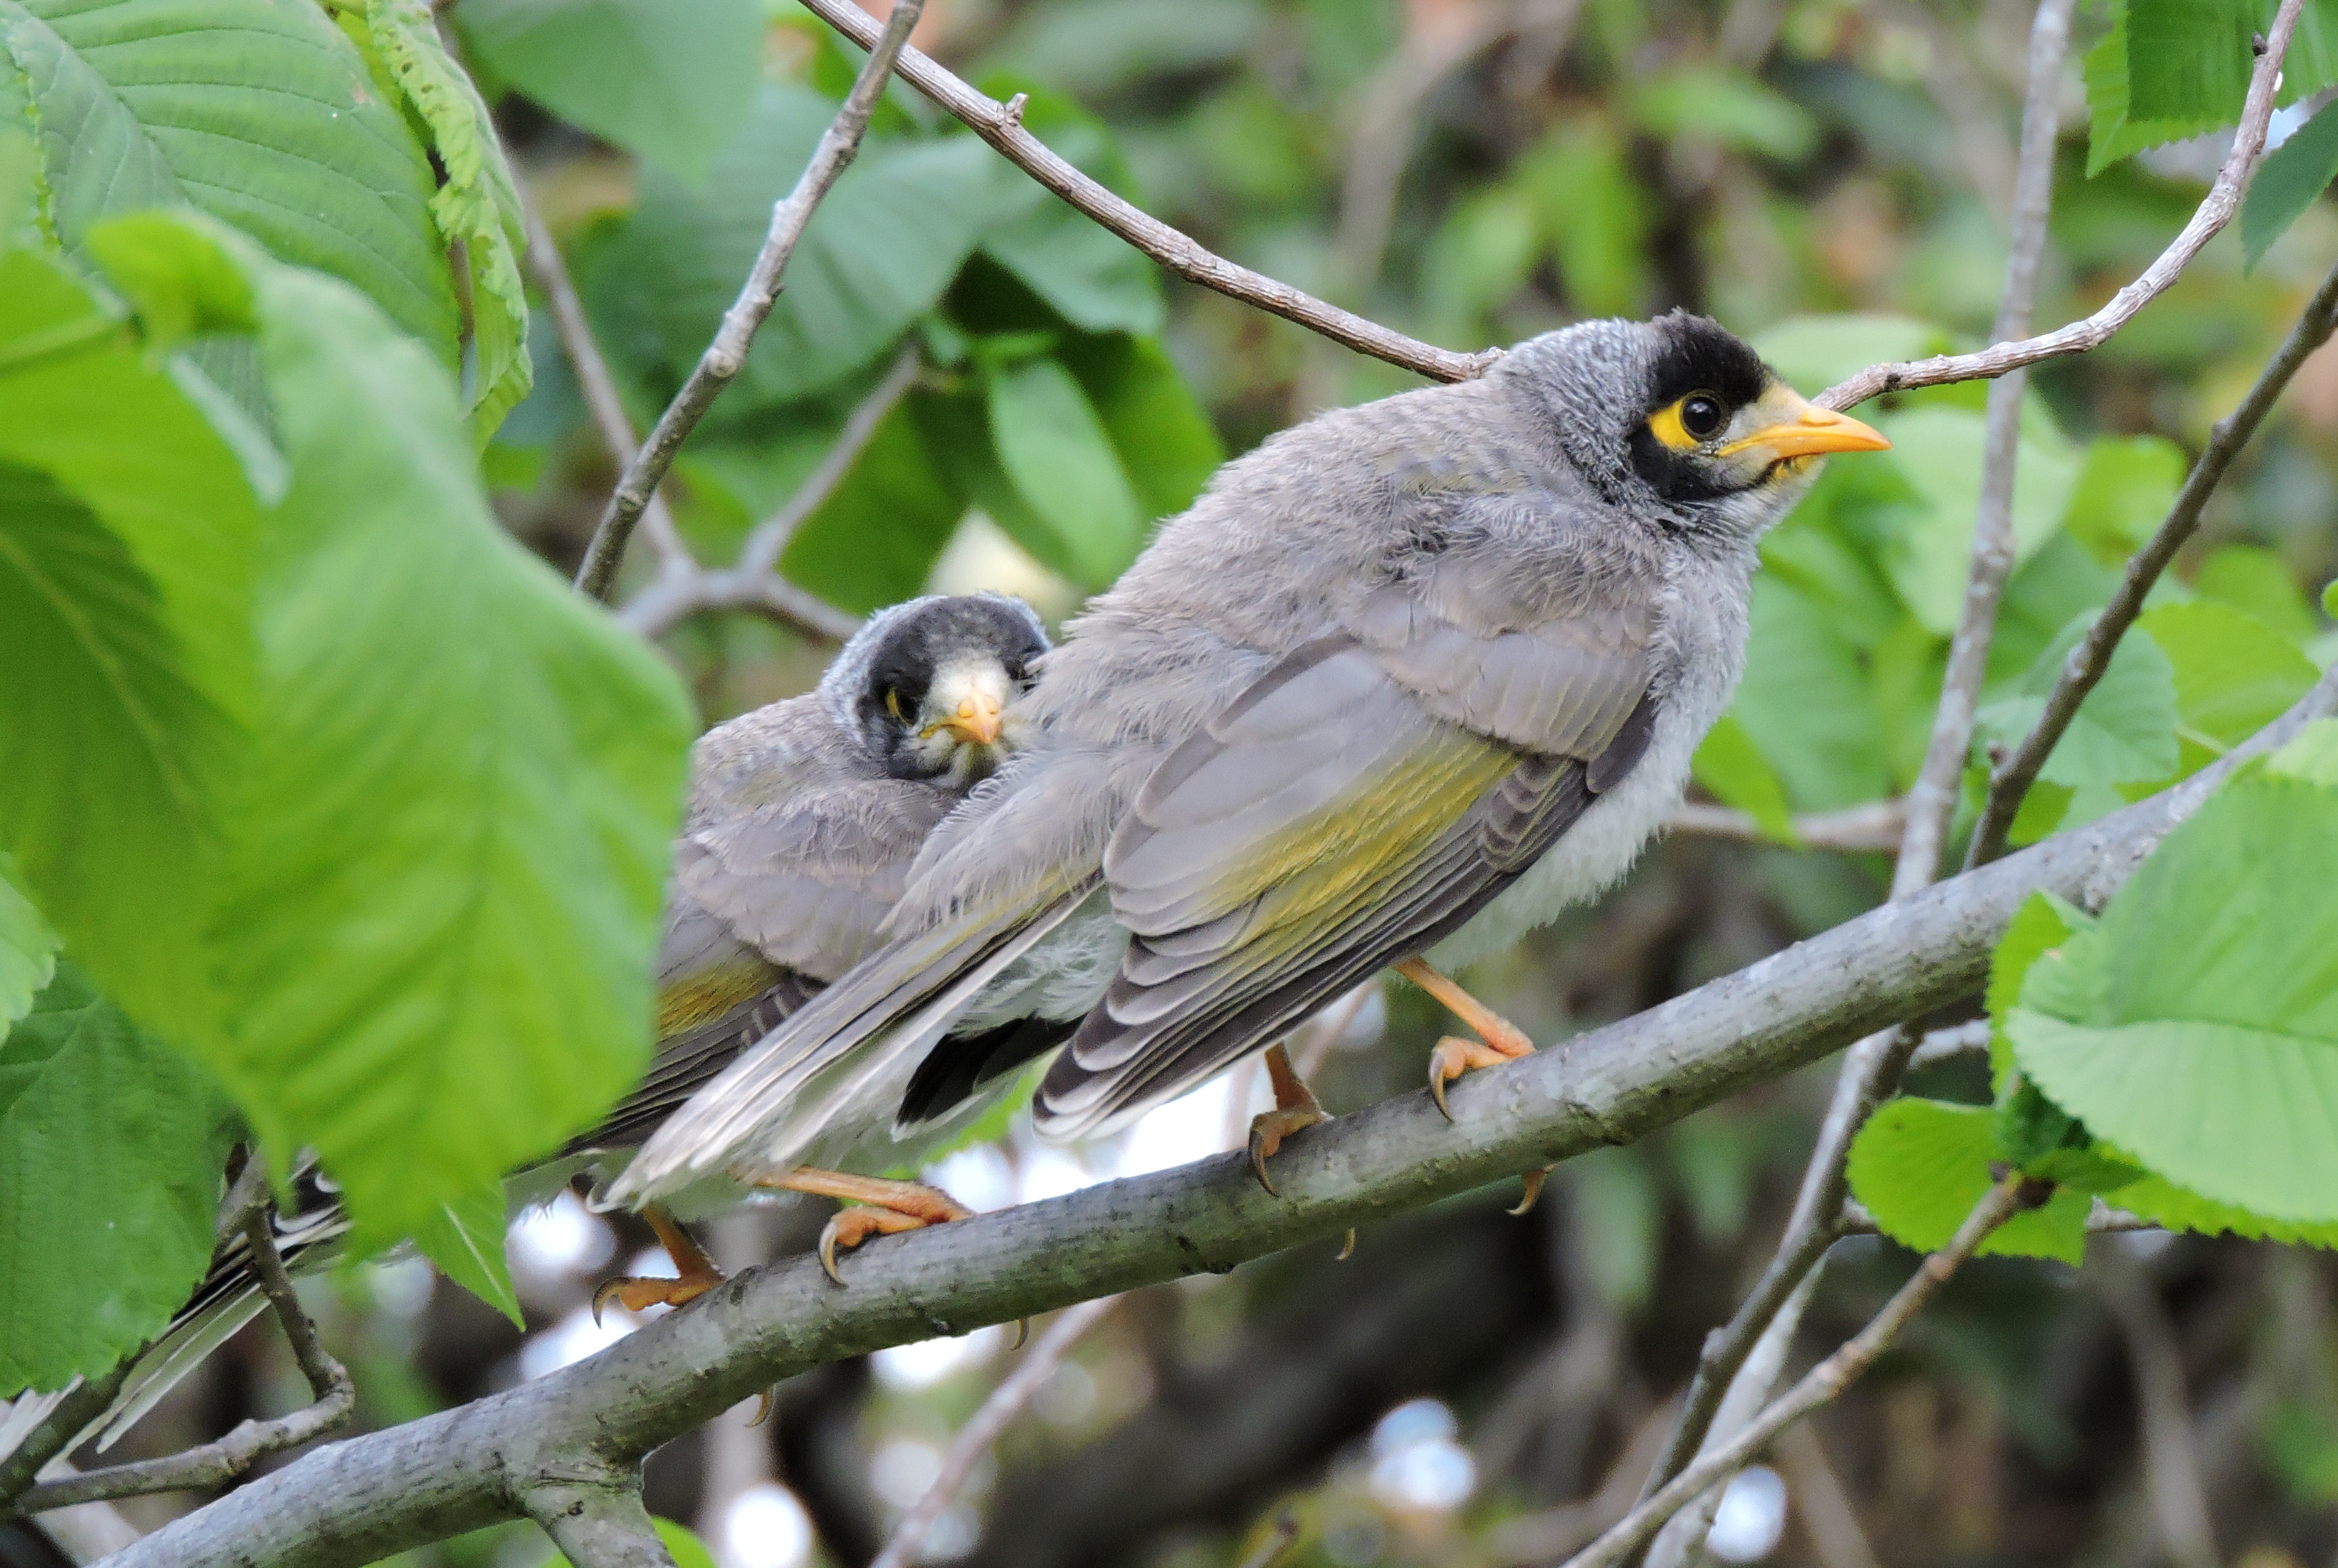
x=1355, y=805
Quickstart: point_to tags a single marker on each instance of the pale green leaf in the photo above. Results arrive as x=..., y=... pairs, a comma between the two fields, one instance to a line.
x=671, y=83
x=2310, y=755
x=1920, y=1166
x=465, y=1238
x=1805, y=703
x=2042, y=924
x=2233, y=674
x=1054, y=448
x=2288, y=182
x=476, y=205
x=1710, y=104
x=2115, y=131
x=2160, y=1201
x=449, y=847
x=1161, y=432
x=2257, y=581
x=1811, y=353
x=2125, y=487
x=2193, y=1027
x=1939, y=449
x=2125, y=731
x=1733, y=770
x=110, y=1147
x=28, y=949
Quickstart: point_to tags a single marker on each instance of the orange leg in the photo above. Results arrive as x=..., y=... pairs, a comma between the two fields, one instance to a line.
x=878, y=1207
x=1499, y=1040
x=1295, y=1108
x=696, y=1273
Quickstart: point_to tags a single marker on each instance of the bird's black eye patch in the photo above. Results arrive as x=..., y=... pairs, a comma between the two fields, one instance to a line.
x=1700, y=354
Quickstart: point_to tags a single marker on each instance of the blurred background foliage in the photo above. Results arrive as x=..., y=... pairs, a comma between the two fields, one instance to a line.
x=1829, y=179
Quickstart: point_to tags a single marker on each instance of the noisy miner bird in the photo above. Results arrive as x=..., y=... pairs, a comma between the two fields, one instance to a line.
x=1406, y=682
x=802, y=822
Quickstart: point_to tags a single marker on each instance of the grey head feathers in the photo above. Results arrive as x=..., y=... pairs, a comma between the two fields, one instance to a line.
x=905, y=676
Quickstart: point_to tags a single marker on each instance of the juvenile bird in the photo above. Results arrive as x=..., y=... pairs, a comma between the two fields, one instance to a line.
x=1406, y=682
x=800, y=826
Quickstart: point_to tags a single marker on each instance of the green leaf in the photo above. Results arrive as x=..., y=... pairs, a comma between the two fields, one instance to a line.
x=1806, y=704
x=478, y=205
x=2330, y=599
x=1051, y=444
x=2124, y=490
x=687, y=1550
x=2310, y=755
x=2160, y=1201
x=1619, y=1209
x=173, y=277
x=465, y=1238
x=1814, y=352
x=2192, y=1025
x=111, y=1146
x=1166, y=444
x=1732, y=769
x=2043, y=923
x=1920, y=1166
x=875, y=541
x=671, y=83
x=261, y=115
x=2233, y=674
x=449, y=845
x=2288, y=182
x=28, y=949
x=1088, y=275
x=1939, y=449
x=2124, y=733
x=2188, y=59
x=1592, y=214
x=1707, y=103
x=2257, y=581
x=2116, y=130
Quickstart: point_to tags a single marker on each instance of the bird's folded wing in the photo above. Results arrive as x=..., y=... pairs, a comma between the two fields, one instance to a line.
x=1353, y=805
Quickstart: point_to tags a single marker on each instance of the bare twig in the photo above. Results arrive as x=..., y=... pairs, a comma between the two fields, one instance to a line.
x=754, y=583
x=231, y=1456
x=727, y=354
x=2215, y=210
x=1015, y=1391
x=1948, y=1044
x=574, y=330
x=1000, y=126
x=1872, y=1068
x=2179, y=1501
x=1828, y=1518
x=594, y=1515
x=2102, y=1219
x=2084, y=665
x=1818, y=1386
x=1873, y=827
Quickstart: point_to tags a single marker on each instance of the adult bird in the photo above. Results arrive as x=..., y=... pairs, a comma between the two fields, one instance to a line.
x=802, y=822
x=1408, y=681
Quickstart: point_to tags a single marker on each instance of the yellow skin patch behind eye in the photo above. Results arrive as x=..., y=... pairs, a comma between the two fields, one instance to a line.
x=1666, y=426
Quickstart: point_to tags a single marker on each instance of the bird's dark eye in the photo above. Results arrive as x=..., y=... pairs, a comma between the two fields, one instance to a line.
x=1702, y=415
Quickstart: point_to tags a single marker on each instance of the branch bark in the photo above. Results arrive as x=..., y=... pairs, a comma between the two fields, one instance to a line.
x=594, y=1515
x=1001, y=125
x=1875, y=827
x=354, y=1502
x=2083, y=667
x=2215, y=211
x=727, y=354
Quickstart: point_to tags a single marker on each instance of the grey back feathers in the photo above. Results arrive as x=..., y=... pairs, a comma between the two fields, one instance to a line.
x=1384, y=663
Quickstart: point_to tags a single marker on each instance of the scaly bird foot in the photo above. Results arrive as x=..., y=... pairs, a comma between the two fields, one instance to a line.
x=1268, y=1129
x=1455, y=1055
x=639, y=1293
x=848, y=1228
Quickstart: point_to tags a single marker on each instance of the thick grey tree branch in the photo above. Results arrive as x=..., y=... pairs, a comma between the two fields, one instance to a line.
x=1001, y=125
x=594, y=1515
x=1873, y=1068
x=352, y=1502
x=2083, y=666
x=727, y=354
x=2215, y=211
x=251, y=1441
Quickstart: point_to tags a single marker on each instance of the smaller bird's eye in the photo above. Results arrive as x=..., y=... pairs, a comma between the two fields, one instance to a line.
x=1701, y=415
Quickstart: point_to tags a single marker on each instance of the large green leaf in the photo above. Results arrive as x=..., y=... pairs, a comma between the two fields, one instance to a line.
x=449, y=849
x=111, y=1145
x=1812, y=353
x=2234, y=675
x=1732, y=769
x=875, y=541
x=1805, y=703
x=1161, y=432
x=2286, y=183
x=465, y=1237
x=2259, y=584
x=1920, y=1166
x=2115, y=129
x=28, y=949
x=477, y=204
x=671, y=83
x=1054, y=448
x=2124, y=490
x=126, y=538
x=2193, y=1025
x=2188, y=59
x=259, y=112
x=2123, y=733
x=1939, y=449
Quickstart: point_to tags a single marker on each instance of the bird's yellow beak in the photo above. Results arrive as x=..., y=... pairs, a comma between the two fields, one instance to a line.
x=976, y=722
x=1799, y=427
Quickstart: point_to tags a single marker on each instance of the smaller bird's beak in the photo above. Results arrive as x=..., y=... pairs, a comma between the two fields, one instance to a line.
x=1804, y=430
x=976, y=722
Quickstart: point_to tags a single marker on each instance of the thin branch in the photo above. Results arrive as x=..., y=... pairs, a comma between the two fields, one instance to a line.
x=595, y=1518
x=1001, y=125
x=1837, y=1539
x=1948, y=1044
x=2102, y=1219
x=1873, y=1069
x=754, y=583
x=727, y=354
x=574, y=330
x=233, y=1455
x=1820, y=1383
x=2215, y=211
x=1873, y=827
x=2179, y=1499
x=2083, y=667
x=354, y=1501
x=975, y=1439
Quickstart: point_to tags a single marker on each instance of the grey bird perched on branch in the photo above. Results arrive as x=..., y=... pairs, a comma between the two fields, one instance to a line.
x=802, y=820
x=1406, y=682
